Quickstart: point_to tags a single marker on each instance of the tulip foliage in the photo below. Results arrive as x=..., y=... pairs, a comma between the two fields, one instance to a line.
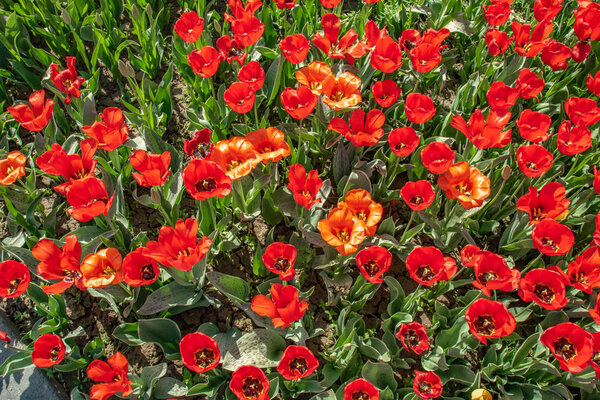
x=302, y=199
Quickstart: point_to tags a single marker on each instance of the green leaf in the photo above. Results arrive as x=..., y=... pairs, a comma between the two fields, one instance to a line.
x=167, y=387
x=163, y=332
x=231, y=286
x=16, y=362
x=380, y=375
x=128, y=333
x=261, y=348
x=152, y=373
x=273, y=79
x=524, y=349
x=171, y=295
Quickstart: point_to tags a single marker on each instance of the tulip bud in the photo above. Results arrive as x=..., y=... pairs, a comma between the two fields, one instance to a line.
x=149, y=11
x=65, y=17
x=134, y=12
x=481, y=394
x=126, y=69
x=155, y=195
x=506, y=172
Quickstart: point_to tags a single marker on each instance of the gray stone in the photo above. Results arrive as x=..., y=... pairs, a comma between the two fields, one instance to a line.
x=27, y=384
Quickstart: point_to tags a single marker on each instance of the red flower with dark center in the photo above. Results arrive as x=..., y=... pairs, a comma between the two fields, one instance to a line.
x=485, y=134
x=570, y=344
x=549, y=203
x=528, y=43
x=111, y=131
x=582, y=111
x=361, y=389
x=72, y=167
x=179, y=247
x=297, y=362
x=253, y=75
x=417, y=195
x=204, y=61
x=403, y=141
x=239, y=97
x=283, y=308
x=387, y=55
x=279, y=258
x=493, y=273
x=230, y=50
x=555, y=55
x=427, y=265
x=552, y=238
x=59, y=263
x=114, y=375
x=529, y=84
x=329, y=43
x=189, y=26
x=200, y=146
x=139, y=269
x=489, y=319
x=305, y=187
x=269, y=143
x=35, y=115
x=48, y=350
x=199, y=352
x=580, y=51
x=497, y=41
x=363, y=130
x=249, y=383
x=419, y=108
x=546, y=287
x=534, y=160
x=534, y=126
x=427, y=385
x=584, y=271
x=497, y=14
x=501, y=97
x=595, y=314
x=295, y=48
x=386, y=93
x=66, y=80
x=466, y=183
x=437, y=157
x=413, y=337
x=299, y=103
x=373, y=262
x=247, y=30
x=14, y=278
x=591, y=82
x=468, y=255
x=154, y=168
x=546, y=10
x=88, y=198
x=204, y=179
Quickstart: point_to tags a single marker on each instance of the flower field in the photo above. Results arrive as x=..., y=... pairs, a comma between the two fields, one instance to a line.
x=302, y=199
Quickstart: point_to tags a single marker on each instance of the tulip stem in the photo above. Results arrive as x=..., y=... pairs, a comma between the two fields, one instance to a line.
x=410, y=220
x=530, y=265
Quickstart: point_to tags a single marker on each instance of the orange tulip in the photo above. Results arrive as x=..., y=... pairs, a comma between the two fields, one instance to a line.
x=363, y=208
x=465, y=183
x=236, y=156
x=342, y=230
x=342, y=92
x=313, y=76
x=269, y=143
x=12, y=167
x=102, y=268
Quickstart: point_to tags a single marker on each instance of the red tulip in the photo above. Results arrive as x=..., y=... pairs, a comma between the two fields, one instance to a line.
x=497, y=14
x=36, y=115
x=427, y=265
x=199, y=352
x=386, y=56
x=528, y=43
x=329, y=43
x=284, y=307
x=4, y=337
x=555, y=55
x=299, y=103
x=114, y=375
x=189, y=27
x=111, y=131
x=329, y=3
x=154, y=168
x=88, y=198
x=403, y=141
x=573, y=141
x=229, y=50
x=304, y=187
x=281, y=4
x=253, y=75
x=200, y=146
x=584, y=271
x=501, y=97
x=373, y=262
x=586, y=21
x=570, y=344
x=66, y=80
x=418, y=195
x=529, y=84
x=204, y=179
x=139, y=269
x=580, y=51
x=497, y=41
x=582, y=111
x=592, y=83
x=239, y=97
x=595, y=314
x=419, y=108
x=486, y=134
x=247, y=30
x=249, y=383
x=546, y=287
x=548, y=203
x=427, y=385
x=534, y=160
x=361, y=389
x=279, y=258
x=14, y=278
x=468, y=255
x=59, y=263
x=204, y=62
x=493, y=273
x=534, y=126
x=385, y=93
x=362, y=131
x=489, y=319
x=297, y=362
x=437, y=157
x=48, y=350
x=546, y=10
x=295, y=48
x=552, y=238
x=413, y=337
